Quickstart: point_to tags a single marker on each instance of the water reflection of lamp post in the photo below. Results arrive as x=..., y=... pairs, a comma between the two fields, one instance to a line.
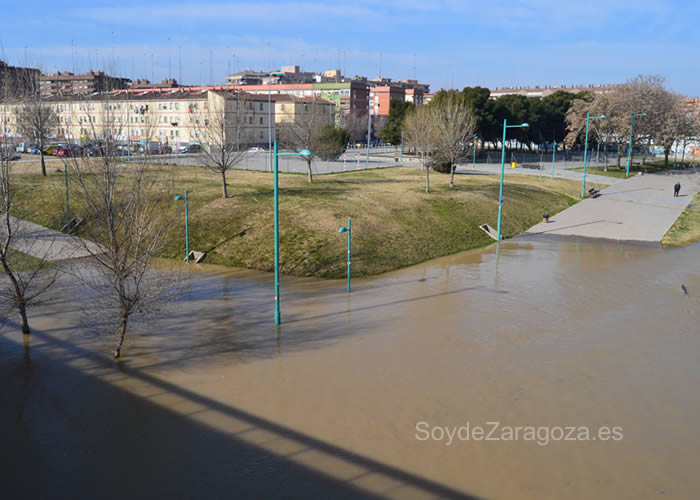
x=349, y=231
x=187, y=229
x=585, y=152
x=503, y=162
x=629, y=153
x=64, y=171
x=303, y=153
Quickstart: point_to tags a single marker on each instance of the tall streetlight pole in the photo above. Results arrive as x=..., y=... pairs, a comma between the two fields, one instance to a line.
x=474, y=152
x=187, y=228
x=348, y=230
x=269, y=117
x=585, y=152
x=305, y=152
x=369, y=128
x=629, y=153
x=503, y=162
x=401, y=159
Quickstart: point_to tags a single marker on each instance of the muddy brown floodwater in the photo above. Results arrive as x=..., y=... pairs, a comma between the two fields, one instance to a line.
x=357, y=396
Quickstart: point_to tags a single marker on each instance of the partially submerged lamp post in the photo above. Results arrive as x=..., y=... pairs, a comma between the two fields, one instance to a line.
x=187, y=229
x=349, y=231
x=585, y=152
x=503, y=162
x=629, y=153
x=303, y=153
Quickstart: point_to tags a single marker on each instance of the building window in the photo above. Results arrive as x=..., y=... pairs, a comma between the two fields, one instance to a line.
x=250, y=120
x=261, y=120
x=261, y=106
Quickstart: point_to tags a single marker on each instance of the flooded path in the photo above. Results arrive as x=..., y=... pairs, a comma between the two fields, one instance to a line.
x=212, y=401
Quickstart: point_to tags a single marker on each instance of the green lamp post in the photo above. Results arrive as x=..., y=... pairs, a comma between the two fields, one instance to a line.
x=187, y=228
x=401, y=159
x=474, y=152
x=349, y=231
x=64, y=171
x=585, y=152
x=303, y=153
x=554, y=157
x=629, y=153
x=503, y=162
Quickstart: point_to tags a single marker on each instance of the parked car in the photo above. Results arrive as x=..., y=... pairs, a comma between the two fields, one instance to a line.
x=255, y=150
x=192, y=148
x=51, y=148
x=161, y=149
x=7, y=154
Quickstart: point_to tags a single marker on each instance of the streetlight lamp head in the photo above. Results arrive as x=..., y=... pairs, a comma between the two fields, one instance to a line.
x=602, y=116
x=642, y=114
x=525, y=125
x=58, y=171
x=343, y=230
x=304, y=152
x=179, y=198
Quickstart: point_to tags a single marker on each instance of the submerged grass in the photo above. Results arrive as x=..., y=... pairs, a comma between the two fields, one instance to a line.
x=395, y=223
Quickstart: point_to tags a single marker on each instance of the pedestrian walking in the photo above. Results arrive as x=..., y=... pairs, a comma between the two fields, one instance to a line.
x=676, y=189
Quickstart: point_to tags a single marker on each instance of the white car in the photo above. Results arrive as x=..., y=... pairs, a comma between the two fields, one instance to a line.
x=255, y=150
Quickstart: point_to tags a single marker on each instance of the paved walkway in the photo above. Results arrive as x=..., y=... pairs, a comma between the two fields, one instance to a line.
x=559, y=172
x=48, y=244
x=641, y=208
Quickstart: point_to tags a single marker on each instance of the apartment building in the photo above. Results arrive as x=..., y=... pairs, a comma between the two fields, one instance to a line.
x=347, y=97
x=17, y=81
x=174, y=117
x=538, y=91
x=290, y=109
x=68, y=84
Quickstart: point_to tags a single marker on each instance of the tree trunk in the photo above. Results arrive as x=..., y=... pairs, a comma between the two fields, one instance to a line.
x=43, y=165
x=666, y=152
x=223, y=183
x=308, y=166
x=427, y=178
x=23, y=315
x=452, y=175
x=122, y=333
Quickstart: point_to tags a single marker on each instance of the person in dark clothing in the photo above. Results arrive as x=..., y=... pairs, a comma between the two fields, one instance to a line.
x=677, y=189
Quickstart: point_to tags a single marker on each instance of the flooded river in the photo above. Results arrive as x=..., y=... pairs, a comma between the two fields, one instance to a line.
x=380, y=393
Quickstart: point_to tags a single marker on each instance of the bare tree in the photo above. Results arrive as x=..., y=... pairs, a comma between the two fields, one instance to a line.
x=356, y=124
x=21, y=284
x=37, y=121
x=454, y=127
x=421, y=135
x=225, y=131
x=302, y=125
x=127, y=222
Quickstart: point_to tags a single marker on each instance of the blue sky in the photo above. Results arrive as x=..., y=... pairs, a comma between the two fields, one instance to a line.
x=444, y=43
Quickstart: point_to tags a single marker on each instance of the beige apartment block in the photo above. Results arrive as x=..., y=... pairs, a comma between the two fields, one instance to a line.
x=174, y=118
x=290, y=109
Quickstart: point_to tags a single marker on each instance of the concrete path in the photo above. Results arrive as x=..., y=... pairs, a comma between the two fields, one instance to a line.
x=48, y=244
x=559, y=172
x=641, y=208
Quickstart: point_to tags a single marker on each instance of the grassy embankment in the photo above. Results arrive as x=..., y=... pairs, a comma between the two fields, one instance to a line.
x=686, y=229
x=395, y=223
